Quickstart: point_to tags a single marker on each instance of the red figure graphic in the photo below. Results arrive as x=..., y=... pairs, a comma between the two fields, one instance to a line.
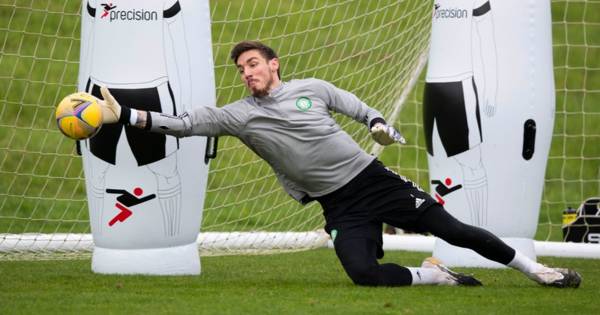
x=107, y=7
x=443, y=189
x=126, y=199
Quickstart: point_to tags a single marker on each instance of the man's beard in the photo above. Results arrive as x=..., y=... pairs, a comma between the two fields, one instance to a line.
x=263, y=92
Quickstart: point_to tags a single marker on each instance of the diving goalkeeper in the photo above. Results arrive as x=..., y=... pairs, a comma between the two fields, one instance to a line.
x=289, y=125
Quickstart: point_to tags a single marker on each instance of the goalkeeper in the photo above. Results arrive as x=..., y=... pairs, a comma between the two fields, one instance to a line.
x=289, y=125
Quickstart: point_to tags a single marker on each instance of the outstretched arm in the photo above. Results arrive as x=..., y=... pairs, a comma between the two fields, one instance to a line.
x=201, y=121
x=142, y=118
x=346, y=103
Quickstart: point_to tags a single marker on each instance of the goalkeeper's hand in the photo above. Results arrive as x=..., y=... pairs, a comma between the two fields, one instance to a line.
x=385, y=134
x=111, y=110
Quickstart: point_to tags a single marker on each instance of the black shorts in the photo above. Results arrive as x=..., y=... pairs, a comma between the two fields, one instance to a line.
x=454, y=107
x=146, y=147
x=376, y=195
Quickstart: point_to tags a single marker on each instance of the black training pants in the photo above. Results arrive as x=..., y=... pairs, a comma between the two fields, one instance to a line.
x=359, y=255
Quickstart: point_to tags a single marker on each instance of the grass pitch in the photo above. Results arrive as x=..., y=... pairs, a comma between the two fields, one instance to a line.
x=40, y=165
x=311, y=282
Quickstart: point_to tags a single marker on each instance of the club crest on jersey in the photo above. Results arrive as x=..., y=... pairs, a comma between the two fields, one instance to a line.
x=303, y=103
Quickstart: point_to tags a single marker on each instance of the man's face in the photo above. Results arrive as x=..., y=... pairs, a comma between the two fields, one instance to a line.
x=258, y=74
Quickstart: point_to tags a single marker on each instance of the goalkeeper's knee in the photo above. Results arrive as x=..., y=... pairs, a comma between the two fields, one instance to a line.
x=362, y=274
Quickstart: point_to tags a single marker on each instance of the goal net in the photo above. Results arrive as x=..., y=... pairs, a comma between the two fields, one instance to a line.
x=573, y=169
x=375, y=49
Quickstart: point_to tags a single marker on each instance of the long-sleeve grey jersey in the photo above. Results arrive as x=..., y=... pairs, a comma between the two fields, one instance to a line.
x=291, y=129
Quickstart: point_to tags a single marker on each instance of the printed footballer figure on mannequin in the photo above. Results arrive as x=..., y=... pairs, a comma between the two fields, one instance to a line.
x=461, y=80
x=127, y=46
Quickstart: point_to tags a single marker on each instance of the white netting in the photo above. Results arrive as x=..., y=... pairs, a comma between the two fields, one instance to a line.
x=573, y=172
x=368, y=47
x=372, y=48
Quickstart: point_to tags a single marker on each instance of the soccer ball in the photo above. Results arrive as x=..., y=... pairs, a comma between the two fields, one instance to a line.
x=79, y=116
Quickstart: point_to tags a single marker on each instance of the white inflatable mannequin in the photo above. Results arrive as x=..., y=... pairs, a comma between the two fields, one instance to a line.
x=488, y=116
x=145, y=193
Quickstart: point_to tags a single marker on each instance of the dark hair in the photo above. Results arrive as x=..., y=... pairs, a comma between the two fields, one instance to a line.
x=267, y=52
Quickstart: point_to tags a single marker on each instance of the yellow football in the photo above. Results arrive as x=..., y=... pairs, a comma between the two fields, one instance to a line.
x=79, y=116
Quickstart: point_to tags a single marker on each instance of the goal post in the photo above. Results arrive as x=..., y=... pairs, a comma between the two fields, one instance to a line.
x=374, y=49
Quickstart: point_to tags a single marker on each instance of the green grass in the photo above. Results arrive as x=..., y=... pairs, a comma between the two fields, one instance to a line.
x=311, y=282
x=42, y=187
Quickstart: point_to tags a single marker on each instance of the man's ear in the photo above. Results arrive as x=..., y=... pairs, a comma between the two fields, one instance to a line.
x=274, y=64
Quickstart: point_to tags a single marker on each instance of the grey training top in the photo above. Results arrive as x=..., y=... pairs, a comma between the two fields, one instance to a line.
x=292, y=129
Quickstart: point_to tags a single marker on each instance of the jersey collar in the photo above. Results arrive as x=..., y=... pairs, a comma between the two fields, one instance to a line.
x=272, y=95
x=278, y=89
